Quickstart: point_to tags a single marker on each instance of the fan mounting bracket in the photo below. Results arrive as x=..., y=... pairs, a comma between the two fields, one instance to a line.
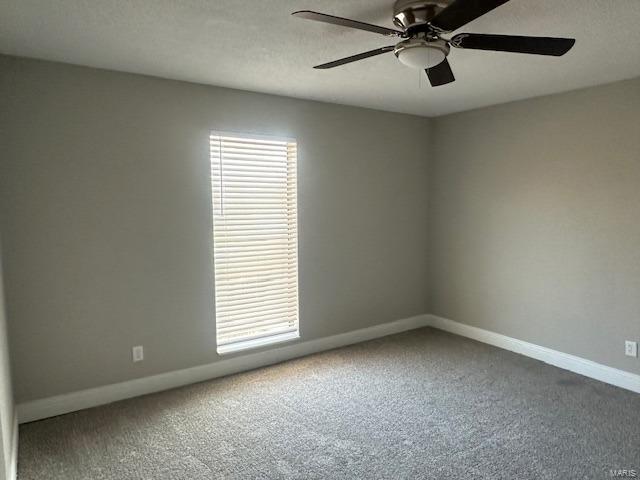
x=415, y=15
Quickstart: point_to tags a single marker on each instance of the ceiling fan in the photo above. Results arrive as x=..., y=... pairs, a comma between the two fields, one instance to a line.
x=422, y=24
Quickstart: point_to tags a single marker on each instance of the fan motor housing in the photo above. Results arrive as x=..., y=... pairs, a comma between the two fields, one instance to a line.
x=409, y=14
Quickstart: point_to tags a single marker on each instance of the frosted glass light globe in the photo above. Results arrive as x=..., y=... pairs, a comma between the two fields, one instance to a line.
x=421, y=54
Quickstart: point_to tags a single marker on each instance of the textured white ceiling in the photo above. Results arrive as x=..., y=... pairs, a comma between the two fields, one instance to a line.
x=256, y=45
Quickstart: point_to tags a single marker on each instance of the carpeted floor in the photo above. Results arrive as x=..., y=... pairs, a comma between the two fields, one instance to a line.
x=422, y=404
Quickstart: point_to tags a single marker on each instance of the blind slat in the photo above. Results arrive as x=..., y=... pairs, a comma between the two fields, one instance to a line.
x=253, y=321
x=239, y=278
x=274, y=288
x=239, y=321
x=267, y=332
x=254, y=300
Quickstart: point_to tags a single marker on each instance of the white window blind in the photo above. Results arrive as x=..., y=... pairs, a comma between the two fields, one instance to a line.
x=255, y=240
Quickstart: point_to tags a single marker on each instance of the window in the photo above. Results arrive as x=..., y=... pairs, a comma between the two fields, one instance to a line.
x=255, y=240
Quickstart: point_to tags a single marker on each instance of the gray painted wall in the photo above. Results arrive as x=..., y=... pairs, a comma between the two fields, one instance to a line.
x=7, y=412
x=535, y=221
x=106, y=214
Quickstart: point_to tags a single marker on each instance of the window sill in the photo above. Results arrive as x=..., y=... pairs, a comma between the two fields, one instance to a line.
x=257, y=343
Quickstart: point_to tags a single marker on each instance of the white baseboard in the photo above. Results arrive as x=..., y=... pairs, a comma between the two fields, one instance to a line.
x=60, y=404
x=588, y=368
x=13, y=459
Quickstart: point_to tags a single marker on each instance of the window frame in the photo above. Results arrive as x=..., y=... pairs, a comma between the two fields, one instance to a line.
x=275, y=338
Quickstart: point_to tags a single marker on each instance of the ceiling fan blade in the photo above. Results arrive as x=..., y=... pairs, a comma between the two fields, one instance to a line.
x=345, y=22
x=461, y=12
x=510, y=43
x=441, y=74
x=355, y=58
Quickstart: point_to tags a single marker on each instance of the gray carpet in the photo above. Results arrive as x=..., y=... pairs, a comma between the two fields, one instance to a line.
x=422, y=404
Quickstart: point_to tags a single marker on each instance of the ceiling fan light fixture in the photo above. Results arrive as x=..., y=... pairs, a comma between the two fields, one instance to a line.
x=422, y=24
x=421, y=54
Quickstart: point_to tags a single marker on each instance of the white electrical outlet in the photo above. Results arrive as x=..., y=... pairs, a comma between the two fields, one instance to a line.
x=138, y=353
x=631, y=348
